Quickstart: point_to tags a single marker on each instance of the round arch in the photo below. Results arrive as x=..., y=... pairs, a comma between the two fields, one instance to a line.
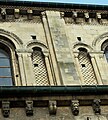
x=33, y=44
x=11, y=38
x=97, y=43
x=82, y=45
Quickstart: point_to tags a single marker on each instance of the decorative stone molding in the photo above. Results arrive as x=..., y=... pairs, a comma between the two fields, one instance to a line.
x=16, y=13
x=100, y=40
x=11, y=36
x=96, y=106
x=43, y=14
x=75, y=107
x=30, y=14
x=98, y=15
x=62, y=14
x=5, y=108
x=33, y=44
x=86, y=17
x=78, y=45
x=24, y=50
x=3, y=13
x=29, y=108
x=74, y=16
x=52, y=107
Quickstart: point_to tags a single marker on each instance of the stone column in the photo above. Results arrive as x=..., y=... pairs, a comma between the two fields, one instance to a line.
x=30, y=73
x=51, y=48
x=102, y=66
x=28, y=68
x=78, y=68
x=15, y=70
x=96, y=69
x=22, y=69
x=48, y=67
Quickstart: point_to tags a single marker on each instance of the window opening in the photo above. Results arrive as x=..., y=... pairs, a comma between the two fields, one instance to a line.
x=5, y=69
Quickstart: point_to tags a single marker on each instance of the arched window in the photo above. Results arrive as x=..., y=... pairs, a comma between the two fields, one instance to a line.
x=5, y=69
x=106, y=53
x=39, y=68
x=86, y=67
x=104, y=48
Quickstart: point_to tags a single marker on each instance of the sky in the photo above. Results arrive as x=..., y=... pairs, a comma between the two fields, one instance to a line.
x=97, y=2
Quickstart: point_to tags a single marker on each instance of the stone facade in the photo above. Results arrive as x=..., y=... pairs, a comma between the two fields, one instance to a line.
x=55, y=46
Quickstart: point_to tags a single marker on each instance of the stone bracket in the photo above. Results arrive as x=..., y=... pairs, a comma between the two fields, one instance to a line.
x=96, y=106
x=16, y=13
x=30, y=14
x=3, y=13
x=5, y=108
x=74, y=16
x=29, y=108
x=75, y=107
x=86, y=17
x=52, y=107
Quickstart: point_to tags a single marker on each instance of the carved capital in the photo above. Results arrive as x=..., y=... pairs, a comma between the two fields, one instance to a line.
x=76, y=54
x=75, y=107
x=46, y=53
x=5, y=108
x=52, y=107
x=29, y=108
x=96, y=106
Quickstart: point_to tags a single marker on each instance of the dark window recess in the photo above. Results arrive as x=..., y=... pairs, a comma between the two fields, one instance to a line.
x=35, y=65
x=33, y=37
x=83, y=65
x=79, y=38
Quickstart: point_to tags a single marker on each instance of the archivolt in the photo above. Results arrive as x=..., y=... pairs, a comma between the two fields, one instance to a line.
x=82, y=45
x=97, y=43
x=11, y=37
x=32, y=44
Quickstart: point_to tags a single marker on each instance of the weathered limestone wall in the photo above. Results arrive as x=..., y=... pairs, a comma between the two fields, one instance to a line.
x=89, y=34
x=62, y=44
x=62, y=50
x=66, y=44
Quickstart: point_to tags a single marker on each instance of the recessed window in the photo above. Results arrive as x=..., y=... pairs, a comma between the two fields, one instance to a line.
x=79, y=38
x=39, y=67
x=5, y=69
x=33, y=37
